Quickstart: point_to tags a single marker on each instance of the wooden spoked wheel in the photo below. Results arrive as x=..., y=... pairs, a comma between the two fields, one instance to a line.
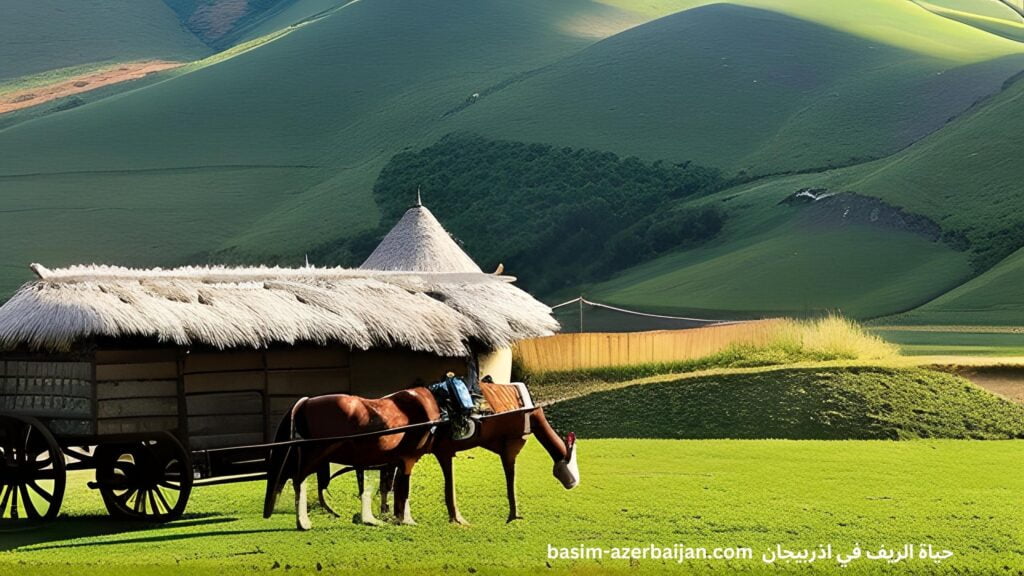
x=147, y=480
x=32, y=472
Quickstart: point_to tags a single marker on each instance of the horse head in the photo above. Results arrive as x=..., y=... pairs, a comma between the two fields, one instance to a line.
x=567, y=470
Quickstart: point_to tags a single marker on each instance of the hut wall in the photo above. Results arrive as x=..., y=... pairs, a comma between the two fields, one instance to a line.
x=137, y=391
x=296, y=372
x=379, y=372
x=497, y=363
x=58, y=393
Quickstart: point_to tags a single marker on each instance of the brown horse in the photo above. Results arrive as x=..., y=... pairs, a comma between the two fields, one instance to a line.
x=345, y=415
x=505, y=433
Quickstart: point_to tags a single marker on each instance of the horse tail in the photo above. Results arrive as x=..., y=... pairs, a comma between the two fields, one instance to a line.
x=281, y=458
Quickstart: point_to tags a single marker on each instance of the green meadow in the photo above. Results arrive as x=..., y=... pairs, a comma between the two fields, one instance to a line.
x=961, y=496
x=273, y=148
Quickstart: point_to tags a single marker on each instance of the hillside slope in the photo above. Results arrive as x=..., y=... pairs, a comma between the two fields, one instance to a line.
x=41, y=35
x=993, y=298
x=797, y=404
x=304, y=123
x=274, y=152
x=964, y=180
x=743, y=89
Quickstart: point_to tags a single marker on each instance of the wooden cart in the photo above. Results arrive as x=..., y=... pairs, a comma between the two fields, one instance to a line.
x=153, y=423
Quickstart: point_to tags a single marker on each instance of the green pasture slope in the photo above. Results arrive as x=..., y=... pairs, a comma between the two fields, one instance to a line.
x=963, y=496
x=304, y=123
x=965, y=178
x=42, y=35
x=322, y=108
x=960, y=495
x=714, y=84
x=993, y=298
x=805, y=403
x=953, y=340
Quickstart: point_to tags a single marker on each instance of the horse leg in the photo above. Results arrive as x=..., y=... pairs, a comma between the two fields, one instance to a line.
x=508, y=462
x=323, y=481
x=301, y=511
x=402, y=486
x=449, y=489
x=366, y=498
x=387, y=487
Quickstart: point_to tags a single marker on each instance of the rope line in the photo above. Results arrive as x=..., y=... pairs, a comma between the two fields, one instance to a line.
x=644, y=314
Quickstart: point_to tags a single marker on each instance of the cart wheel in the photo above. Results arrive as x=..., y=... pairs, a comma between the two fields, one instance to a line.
x=149, y=479
x=32, y=472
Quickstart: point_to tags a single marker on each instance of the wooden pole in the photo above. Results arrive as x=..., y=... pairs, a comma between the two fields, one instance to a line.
x=581, y=313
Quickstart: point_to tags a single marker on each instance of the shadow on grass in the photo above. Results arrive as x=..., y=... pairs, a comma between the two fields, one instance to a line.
x=50, y=536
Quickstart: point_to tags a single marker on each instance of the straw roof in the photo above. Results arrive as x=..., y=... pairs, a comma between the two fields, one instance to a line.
x=441, y=313
x=419, y=243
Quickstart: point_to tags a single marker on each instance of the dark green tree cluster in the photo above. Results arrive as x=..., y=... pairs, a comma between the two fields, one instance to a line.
x=555, y=216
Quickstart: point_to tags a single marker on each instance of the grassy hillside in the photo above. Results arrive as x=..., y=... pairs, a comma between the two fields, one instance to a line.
x=718, y=85
x=324, y=108
x=329, y=104
x=994, y=297
x=41, y=35
x=991, y=16
x=965, y=179
x=958, y=495
x=295, y=132
x=792, y=268
x=855, y=403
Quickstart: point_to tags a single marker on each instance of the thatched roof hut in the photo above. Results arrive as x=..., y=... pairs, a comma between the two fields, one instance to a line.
x=440, y=313
x=419, y=243
x=219, y=354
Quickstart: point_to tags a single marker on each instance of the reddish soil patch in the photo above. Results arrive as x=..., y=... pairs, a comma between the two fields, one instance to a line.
x=83, y=83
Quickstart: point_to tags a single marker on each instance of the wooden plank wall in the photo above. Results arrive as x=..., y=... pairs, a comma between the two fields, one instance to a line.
x=294, y=373
x=136, y=391
x=59, y=393
x=601, y=349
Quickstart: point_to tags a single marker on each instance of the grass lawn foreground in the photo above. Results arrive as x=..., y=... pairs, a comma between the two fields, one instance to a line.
x=964, y=496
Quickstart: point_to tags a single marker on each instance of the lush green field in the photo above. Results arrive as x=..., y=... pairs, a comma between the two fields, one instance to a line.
x=751, y=103
x=327, y=105
x=805, y=403
x=954, y=342
x=962, y=496
x=988, y=15
x=41, y=35
x=964, y=178
x=791, y=269
x=993, y=298
x=341, y=94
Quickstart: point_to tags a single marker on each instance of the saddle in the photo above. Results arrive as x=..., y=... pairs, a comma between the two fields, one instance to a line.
x=463, y=405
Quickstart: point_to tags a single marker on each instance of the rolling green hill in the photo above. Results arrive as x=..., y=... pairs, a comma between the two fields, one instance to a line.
x=989, y=15
x=322, y=109
x=965, y=178
x=717, y=85
x=994, y=297
x=41, y=35
x=273, y=152
x=799, y=404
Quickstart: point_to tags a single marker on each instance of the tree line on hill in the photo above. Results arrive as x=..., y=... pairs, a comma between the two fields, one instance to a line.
x=556, y=217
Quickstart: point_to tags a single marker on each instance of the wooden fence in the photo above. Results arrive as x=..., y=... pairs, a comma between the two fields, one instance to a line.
x=603, y=349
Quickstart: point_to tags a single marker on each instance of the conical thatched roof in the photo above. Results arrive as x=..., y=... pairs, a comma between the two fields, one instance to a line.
x=419, y=243
x=440, y=313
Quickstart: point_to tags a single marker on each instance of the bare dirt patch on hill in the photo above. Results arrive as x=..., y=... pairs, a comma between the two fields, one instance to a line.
x=117, y=73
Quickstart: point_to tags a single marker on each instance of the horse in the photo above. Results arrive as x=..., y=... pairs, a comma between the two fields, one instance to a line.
x=504, y=433
x=337, y=415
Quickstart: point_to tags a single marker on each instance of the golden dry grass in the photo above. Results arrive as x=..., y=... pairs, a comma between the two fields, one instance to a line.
x=776, y=341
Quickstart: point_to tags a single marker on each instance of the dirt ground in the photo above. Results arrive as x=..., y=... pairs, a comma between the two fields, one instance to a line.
x=82, y=83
